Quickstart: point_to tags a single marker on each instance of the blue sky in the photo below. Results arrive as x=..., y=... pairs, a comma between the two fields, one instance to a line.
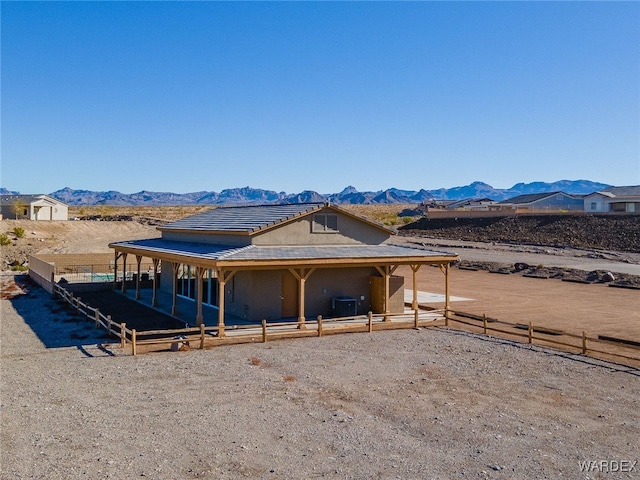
x=292, y=96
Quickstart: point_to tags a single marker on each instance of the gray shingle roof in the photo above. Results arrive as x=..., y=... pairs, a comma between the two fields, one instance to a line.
x=530, y=197
x=241, y=219
x=630, y=191
x=272, y=253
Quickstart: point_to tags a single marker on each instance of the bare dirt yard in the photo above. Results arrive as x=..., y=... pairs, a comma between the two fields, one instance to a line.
x=432, y=403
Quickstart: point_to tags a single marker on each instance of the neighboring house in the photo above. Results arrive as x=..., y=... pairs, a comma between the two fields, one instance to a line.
x=33, y=207
x=471, y=204
x=280, y=261
x=614, y=199
x=550, y=201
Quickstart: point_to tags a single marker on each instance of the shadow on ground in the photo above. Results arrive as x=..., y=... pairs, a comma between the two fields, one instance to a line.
x=57, y=325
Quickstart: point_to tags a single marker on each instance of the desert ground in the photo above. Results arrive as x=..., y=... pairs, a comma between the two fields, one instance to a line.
x=432, y=403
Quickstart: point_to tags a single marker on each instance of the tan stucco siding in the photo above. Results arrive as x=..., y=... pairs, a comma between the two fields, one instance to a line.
x=326, y=284
x=351, y=232
x=254, y=295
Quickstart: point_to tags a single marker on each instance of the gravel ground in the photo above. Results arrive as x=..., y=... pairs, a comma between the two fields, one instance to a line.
x=410, y=404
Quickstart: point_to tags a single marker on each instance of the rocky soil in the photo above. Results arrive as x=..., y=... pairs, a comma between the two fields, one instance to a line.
x=607, y=237
x=605, y=232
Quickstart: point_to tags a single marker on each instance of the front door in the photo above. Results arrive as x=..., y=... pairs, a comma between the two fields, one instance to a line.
x=289, y=295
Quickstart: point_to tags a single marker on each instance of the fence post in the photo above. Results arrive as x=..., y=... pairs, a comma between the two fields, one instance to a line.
x=484, y=323
x=109, y=325
x=123, y=335
x=97, y=317
x=202, y=336
x=584, y=342
x=370, y=320
x=319, y=325
x=264, y=330
x=415, y=319
x=78, y=304
x=446, y=317
x=530, y=332
x=133, y=342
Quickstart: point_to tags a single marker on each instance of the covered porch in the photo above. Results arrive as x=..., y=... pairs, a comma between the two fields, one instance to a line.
x=303, y=265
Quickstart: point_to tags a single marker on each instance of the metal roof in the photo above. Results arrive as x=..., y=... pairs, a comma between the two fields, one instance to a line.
x=630, y=191
x=241, y=218
x=532, y=197
x=29, y=198
x=272, y=254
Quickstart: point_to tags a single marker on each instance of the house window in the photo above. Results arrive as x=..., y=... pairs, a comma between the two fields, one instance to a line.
x=325, y=223
x=594, y=206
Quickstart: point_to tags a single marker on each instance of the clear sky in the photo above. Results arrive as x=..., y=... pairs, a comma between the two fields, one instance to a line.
x=292, y=96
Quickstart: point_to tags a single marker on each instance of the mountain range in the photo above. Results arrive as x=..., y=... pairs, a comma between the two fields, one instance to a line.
x=349, y=195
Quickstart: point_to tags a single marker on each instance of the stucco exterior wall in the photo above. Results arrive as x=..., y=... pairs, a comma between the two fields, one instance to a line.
x=351, y=231
x=254, y=296
x=326, y=284
x=300, y=232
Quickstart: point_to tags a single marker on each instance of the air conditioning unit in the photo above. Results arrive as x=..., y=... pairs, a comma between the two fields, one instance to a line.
x=344, y=306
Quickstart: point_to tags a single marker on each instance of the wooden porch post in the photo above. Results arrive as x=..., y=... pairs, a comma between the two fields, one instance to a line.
x=174, y=305
x=386, y=271
x=223, y=278
x=445, y=269
x=199, y=276
x=414, y=303
x=154, y=298
x=302, y=277
x=138, y=260
x=446, y=291
x=124, y=273
x=115, y=269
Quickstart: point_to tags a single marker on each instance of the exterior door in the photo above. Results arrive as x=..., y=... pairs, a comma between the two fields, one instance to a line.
x=289, y=295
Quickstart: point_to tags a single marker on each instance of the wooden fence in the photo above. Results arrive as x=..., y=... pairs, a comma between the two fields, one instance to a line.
x=207, y=336
x=603, y=346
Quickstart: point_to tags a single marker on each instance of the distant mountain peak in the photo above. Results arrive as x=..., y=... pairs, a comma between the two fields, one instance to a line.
x=349, y=195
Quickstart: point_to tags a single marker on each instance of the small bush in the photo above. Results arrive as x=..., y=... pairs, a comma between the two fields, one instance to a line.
x=19, y=268
x=5, y=240
x=18, y=232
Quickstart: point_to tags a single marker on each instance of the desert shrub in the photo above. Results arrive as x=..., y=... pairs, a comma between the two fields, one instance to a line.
x=18, y=232
x=19, y=268
x=4, y=239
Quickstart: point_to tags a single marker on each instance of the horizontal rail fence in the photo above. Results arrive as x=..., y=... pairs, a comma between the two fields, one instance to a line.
x=91, y=313
x=203, y=336
x=583, y=343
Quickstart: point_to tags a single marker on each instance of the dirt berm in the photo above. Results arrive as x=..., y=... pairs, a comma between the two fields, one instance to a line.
x=607, y=232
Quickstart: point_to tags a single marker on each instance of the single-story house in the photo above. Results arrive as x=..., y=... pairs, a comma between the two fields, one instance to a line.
x=471, y=204
x=544, y=201
x=614, y=199
x=275, y=262
x=33, y=207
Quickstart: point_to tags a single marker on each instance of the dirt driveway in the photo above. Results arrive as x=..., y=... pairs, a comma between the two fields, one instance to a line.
x=410, y=404
x=552, y=303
